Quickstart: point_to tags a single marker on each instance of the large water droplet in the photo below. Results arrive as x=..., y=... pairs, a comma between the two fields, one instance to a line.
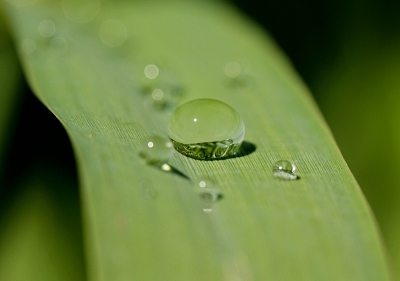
x=285, y=170
x=208, y=193
x=206, y=128
x=156, y=150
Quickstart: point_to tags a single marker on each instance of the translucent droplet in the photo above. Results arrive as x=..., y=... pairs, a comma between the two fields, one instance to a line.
x=238, y=74
x=157, y=94
x=28, y=46
x=233, y=69
x=112, y=33
x=151, y=71
x=208, y=193
x=284, y=170
x=156, y=150
x=81, y=10
x=206, y=128
x=47, y=28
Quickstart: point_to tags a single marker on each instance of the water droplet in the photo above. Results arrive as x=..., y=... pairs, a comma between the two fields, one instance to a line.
x=208, y=193
x=47, y=28
x=157, y=94
x=81, y=10
x=151, y=71
x=238, y=73
x=206, y=128
x=156, y=150
x=113, y=33
x=284, y=170
x=28, y=46
x=233, y=69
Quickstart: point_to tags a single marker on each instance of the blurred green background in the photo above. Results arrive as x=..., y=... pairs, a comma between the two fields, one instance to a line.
x=348, y=53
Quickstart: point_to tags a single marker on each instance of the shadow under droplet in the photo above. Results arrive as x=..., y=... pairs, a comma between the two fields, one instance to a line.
x=169, y=169
x=247, y=148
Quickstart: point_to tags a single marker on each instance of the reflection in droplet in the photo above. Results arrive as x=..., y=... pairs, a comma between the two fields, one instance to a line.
x=47, y=28
x=284, y=170
x=59, y=45
x=113, y=33
x=81, y=10
x=206, y=129
x=20, y=3
x=155, y=150
x=28, y=46
x=151, y=71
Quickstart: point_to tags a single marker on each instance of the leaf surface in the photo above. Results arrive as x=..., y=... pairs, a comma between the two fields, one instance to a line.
x=316, y=228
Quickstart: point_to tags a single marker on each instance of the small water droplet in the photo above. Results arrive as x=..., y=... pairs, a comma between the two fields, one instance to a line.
x=206, y=128
x=81, y=11
x=151, y=71
x=157, y=94
x=28, y=46
x=233, y=69
x=283, y=169
x=113, y=33
x=47, y=28
x=156, y=150
x=238, y=73
x=208, y=193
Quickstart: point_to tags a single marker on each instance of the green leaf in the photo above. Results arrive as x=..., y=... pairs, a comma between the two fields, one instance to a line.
x=316, y=228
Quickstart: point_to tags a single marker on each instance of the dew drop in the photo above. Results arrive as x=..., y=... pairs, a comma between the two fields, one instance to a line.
x=47, y=28
x=208, y=193
x=156, y=151
x=284, y=170
x=238, y=74
x=233, y=69
x=206, y=129
x=157, y=94
x=151, y=71
x=113, y=33
x=28, y=46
